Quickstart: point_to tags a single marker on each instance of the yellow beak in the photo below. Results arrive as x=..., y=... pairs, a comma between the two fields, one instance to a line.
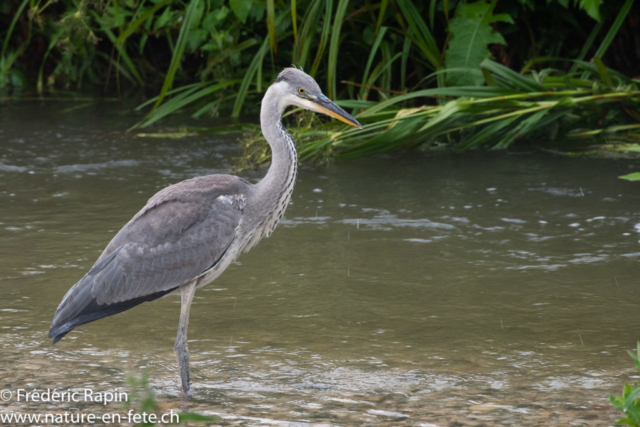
x=326, y=106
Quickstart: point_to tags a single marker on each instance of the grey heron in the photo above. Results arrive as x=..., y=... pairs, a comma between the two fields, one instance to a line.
x=189, y=233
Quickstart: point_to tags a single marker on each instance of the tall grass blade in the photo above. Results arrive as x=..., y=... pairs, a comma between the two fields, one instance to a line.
x=141, y=20
x=611, y=34
x=182, y=100
x=604, y=74
x=119, y=68
x=387, y=70
x=591, y=68
x=122, y=52
x=256, y=62
x=420, y=31
x=52, y=43
x=587, y=46
x=381, y=14
x=309, y=22
x=372, y=55
x=615, y=27
x=488, y=77
x=254, y=70
x=12, y=25
x=294, y=22
x=180, y=47
x=406, y=47
x=534, y=122
x=333, y=47
x=324, y=37
x=508, y=75
x=171, y=92
x=271, y=27
x=432, y=13
x=454, y=91
x=486, y=134
x=384, y=66
x=525, y=126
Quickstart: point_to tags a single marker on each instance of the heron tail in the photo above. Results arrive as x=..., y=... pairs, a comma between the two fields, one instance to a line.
x=80, y=307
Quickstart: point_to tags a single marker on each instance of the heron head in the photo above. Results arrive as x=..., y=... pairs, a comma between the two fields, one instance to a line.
x=302, y=91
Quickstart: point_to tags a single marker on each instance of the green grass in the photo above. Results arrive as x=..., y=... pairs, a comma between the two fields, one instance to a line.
x=629, y=402
x=417, y=74
x=548, y=106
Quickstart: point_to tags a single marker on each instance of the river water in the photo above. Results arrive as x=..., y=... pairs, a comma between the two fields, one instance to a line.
x=493, y=288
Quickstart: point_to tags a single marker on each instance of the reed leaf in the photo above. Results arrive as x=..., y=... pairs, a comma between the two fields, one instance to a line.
x=12, y=25
x=178, y=52
x=613, y=30
x=185, y=98
x=372, y=55
x=171, y=92
x=381, y=14
x=133, y=26
x=510, y=77
x=587, y=46
x=294, y=22
x=420, y=33
x=333, y=47
x=324, y=37
x=123, y=54
x=271, y=27
x=256, y=62
x=307, y=28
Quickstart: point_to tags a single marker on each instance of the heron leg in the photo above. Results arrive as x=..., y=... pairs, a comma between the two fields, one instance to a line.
x=181, y=348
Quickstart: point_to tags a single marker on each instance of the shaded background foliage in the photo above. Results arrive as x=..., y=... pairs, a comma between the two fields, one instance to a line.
x=212, y=56
x=70, y=43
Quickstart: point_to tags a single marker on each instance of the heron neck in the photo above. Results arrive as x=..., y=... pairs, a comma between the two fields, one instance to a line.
x=277, y=185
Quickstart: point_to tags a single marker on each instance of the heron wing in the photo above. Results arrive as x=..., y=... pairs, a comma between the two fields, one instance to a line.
x=177, y=236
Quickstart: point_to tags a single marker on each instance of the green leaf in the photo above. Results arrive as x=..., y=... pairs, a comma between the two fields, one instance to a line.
x=163, y=19
x=592, y=7
x=185, y=98
x=7, y=36
x=189, y=19
x=471, y=33
x=604, y=74
x=197, y=38
x=486, y=134
x=294, y=21
x=333, y=47
x=420, y=34
x=631, y=177
x=308, y=26
x=616, y=401
x=241, y=8
x=123, y=53
x=324, y=37
x=372, y=55
x=512, y=78
x=271, y=26
x=613, y=30
x=250, y=73
x=135, y=24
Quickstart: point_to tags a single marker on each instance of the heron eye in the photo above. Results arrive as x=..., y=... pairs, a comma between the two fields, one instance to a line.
x=301, y=91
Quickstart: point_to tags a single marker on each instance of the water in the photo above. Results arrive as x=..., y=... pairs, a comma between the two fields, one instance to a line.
x=477, y=289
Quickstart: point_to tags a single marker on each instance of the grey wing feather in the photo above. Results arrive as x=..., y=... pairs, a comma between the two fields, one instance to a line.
x=167, y=247
x=182, y=232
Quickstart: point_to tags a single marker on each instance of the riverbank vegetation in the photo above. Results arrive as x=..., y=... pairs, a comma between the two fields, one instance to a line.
x=629, y=402
x=437, y=73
